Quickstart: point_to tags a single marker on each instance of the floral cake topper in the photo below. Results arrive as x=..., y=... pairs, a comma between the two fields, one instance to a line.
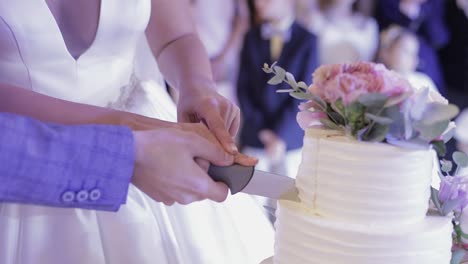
x=370, y=103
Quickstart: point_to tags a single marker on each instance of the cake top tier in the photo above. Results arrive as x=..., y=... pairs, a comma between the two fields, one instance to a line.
x=362, y=182
x=368, y=102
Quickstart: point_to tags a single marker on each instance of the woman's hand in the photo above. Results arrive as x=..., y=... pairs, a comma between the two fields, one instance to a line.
x=219, y=114
x=165, y=166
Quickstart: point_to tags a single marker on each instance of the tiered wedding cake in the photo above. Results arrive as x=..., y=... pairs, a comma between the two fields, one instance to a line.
x=361, y=203
x=367, y=166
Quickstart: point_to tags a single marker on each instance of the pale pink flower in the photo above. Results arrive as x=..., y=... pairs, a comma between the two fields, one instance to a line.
x=349, y=81
x=307, y=119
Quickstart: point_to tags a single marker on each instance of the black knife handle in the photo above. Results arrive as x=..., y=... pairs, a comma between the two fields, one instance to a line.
x=236, y=176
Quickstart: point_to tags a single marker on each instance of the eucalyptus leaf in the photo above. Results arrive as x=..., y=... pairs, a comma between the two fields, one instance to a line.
x=457, y=256
x=393, y=101
x=437, y=112
x=446, y=166
x=463, y=234
x=376, y=133
x=338, y=107
x=300, y=95
x=277, y=79
x=337, y=110
x=373, y=101
x=448, y=134
x=379, y=119
x=439, y=147
x=329, y=124
x=266, y=68
x=319, y=101
x=431, y=131
x=273, y=65
x=303, y=85
x=291, y=80
x=361, y=133
x=337, y=118
x=355, y=119
x=435, y=199
x=397, y=128
x=279, y=70
x=460, y=158
x=354, y=111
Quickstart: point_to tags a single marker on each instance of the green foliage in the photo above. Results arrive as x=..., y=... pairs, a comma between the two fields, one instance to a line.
x=439, y=147
x=330, y=124
x=383, y=120
x=437, y=112
x=374, y=102
x=446, y=166
x=435, y=199
x=460, y=158
x=429, y=132
x=376, y=133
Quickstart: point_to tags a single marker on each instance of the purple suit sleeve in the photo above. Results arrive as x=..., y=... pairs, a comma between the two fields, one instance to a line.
x=86, y=166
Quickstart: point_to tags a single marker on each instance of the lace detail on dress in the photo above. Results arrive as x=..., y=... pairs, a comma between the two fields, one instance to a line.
x=130, y=95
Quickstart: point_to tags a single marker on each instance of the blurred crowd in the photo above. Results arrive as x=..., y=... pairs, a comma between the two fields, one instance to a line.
x=424, y=40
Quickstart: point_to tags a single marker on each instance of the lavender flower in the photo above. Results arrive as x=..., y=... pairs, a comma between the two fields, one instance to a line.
x=453, y=193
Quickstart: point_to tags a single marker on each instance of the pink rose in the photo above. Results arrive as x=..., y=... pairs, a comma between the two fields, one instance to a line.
x=349, y=81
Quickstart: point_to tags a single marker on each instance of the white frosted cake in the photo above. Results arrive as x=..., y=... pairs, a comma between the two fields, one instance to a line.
x=361, y=203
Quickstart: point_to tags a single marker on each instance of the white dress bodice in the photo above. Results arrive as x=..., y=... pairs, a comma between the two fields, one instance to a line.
x=118, y=70
x=33, y=53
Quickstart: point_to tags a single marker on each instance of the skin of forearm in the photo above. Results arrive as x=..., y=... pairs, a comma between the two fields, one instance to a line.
x=48, y=109
x=188, y=55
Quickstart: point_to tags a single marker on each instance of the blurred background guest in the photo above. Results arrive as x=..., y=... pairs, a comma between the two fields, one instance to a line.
x=399, y=51
x=344, y=34
x=221, y=26
x=425, y=18
x=278, y=38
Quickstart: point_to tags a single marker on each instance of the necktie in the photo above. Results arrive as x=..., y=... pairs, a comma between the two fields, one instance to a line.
x=276, y=46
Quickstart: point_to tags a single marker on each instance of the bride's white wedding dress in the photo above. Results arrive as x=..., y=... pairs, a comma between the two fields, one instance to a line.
x=116, y=71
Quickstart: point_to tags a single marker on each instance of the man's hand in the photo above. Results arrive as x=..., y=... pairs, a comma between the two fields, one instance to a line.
x=166, y=170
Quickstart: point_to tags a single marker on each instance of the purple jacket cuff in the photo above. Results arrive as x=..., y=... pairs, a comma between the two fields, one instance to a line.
x=86, y=166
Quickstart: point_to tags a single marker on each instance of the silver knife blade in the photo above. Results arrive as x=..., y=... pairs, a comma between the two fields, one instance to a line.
x=248, y=180
x=272, y=185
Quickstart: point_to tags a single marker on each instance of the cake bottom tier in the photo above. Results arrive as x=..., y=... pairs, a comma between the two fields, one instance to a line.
x=305, y=238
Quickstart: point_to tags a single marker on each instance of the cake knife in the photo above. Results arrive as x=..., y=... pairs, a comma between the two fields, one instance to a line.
x=249, y=180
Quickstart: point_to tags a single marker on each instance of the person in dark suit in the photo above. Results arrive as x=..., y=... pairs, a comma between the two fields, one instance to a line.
x=454, y=56
x=425, y=19
x=278, y=38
